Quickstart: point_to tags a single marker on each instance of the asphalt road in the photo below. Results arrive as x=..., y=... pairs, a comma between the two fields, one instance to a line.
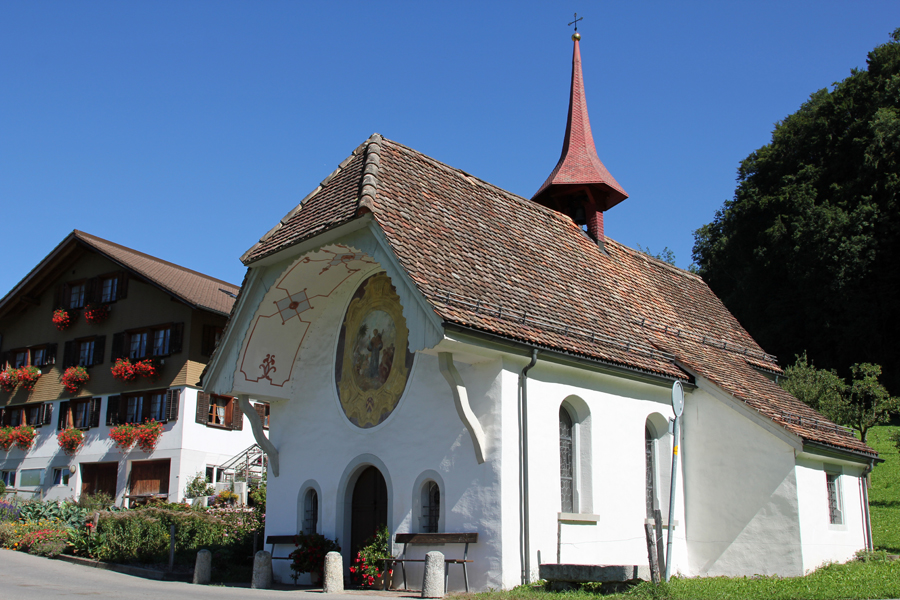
x=27, y=577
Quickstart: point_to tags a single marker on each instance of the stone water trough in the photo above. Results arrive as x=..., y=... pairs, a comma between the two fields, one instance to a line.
x=613, y=577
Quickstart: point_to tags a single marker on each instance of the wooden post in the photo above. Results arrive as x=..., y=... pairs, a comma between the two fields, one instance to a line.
x=651, y=552
x=660, y=543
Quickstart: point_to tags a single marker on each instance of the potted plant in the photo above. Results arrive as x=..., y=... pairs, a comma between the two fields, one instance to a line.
x=9, y=379
x=74, y=378
x=147, y=435
x=23, y=437
x=96, y=313
x=147, y=368
x=70, y=440
x=123, y=436
x=368, y=566
x=28, y=377
x=6, y=438
x=309, y=557
x=63, y=319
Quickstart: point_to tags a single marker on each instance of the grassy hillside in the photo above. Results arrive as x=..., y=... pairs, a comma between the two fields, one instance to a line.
x=884, y=496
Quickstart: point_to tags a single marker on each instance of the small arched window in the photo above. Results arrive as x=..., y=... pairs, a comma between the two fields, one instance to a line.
x=431, y=507
x=310, y=512
x=566, y=466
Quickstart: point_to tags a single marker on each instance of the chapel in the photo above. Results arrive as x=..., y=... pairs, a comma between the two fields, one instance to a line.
x=433, y=371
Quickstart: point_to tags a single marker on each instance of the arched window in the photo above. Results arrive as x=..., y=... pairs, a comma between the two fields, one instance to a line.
x=311, y=512
x=431, y=507
x=566, y=462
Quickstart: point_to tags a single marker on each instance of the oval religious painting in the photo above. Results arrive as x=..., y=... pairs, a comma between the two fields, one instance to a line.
x=373, y=360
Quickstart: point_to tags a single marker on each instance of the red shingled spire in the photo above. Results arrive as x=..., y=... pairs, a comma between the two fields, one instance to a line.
x=580, y=185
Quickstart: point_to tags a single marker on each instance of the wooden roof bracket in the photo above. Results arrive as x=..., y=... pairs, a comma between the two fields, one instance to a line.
x=461, y=399
x=258, y=433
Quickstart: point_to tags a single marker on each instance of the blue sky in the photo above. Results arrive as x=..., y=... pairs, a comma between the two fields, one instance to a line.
x=188, y=129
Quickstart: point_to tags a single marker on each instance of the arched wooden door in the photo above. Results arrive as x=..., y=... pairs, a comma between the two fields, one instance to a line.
x=369, y=508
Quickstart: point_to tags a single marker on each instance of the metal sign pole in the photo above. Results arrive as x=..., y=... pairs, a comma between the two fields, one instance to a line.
x=678, y=408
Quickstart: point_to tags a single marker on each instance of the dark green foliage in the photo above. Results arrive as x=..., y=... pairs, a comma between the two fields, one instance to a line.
x=96, y=501
x=861, y=404
x=71, y=515
x=806, y=253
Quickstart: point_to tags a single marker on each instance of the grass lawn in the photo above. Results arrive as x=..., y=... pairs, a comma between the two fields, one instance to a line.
x=884, y=496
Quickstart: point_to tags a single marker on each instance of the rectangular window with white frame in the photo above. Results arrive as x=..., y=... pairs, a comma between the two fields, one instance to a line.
x=835, y=501
x=61, y=476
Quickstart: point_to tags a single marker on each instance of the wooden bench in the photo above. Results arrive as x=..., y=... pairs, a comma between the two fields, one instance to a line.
x=280, y=539
x=432, y=539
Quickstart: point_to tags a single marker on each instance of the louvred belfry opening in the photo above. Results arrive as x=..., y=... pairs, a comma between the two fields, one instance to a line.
x=580, y=185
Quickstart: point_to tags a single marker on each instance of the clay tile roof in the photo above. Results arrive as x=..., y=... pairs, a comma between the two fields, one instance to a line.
x=190, y=286
x=489, y=260
x=578, y=163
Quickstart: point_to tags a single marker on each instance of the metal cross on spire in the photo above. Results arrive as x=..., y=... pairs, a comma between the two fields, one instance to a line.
x=575, y=22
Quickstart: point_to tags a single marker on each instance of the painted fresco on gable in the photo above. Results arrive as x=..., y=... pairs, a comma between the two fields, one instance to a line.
x=373, y=359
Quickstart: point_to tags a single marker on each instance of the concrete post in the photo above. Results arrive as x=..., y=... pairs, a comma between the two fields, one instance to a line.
x=433, y=586
x=262, y=571
x=333, y=577
x=203, y=568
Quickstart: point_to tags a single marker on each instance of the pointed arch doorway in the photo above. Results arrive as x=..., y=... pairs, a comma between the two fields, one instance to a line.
x=369, y=507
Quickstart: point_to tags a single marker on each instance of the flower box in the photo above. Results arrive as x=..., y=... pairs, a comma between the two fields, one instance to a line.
x=63, y=319
x=74, y=378
x=28, y=377
x=6, y=438
x=9, y=379
x=123, y=436
x=96, y=313
x=147, y=435
x=70, y=440
x=125, y=370
x=23, y=437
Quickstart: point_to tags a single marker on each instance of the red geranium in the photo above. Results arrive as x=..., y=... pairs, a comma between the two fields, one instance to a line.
x=9, y=379
x=123, y=436
x=70, y=440
x=28, y=377
x=63, y=319
x=125, y=370
x=23, y=437
x=74, y=378
x=147, y=435
x=96, y=313
x=6, y=438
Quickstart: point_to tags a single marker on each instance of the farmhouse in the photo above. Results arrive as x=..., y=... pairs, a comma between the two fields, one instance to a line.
x=118, y=303
x=441, y=355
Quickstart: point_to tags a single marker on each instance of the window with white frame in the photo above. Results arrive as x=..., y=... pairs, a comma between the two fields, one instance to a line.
x=109, y=287
x=310, y=511
x=566, y=462
x=431, y=507
x=76, y=295
x=137, y=347
x=61, y=476
x=30, y=477
x=835, y=506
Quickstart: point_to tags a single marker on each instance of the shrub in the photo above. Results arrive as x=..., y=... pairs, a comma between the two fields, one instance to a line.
x=199, y=486
x=97, y=501
x=369, y=562
x=225, y=497
x=67, y=513
x=50, y=541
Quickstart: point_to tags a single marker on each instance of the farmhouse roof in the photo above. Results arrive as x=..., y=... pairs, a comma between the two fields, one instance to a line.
x=192, y=288
x=491, y=261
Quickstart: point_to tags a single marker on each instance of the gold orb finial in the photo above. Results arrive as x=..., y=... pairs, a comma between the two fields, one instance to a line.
x=576, y=36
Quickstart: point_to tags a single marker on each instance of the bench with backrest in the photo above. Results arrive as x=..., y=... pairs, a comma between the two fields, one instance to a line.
x=272, y=540
x=433, y=539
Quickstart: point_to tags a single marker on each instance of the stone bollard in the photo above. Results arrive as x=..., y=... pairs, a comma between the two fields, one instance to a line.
x=333, y=578
x=433, y=586
x=262, y=571
x=203, y=567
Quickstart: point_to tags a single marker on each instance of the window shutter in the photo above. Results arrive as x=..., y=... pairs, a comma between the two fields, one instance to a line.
x=172, y=398
x=261, y=411
x=118, y=346
x=112, y=410
x=4, y=359
x=51, y=354
x=237, y=416
x=94, y=290
x=123, y=408
x=206, y=343
x=95, y=412
x=175, y=340
x=202, y=407
x=3, y=417
x=69, y=355
x=122, y=287
x=60, y=295
x=99, y=344
x=63, y=421
x=46, y=413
